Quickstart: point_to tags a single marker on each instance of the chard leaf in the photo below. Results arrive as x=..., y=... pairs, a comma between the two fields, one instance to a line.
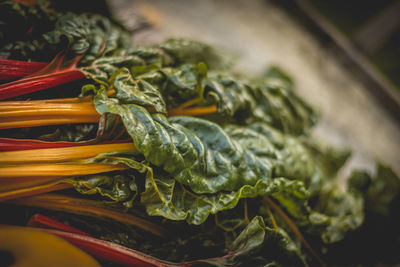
x=274, y=72
x=118, y=187
x=258, y=245
x=242, y=101
x=342, y=212
x=380, y=225
x=269, y=101
x=183, y=83
x=185, y=51
x=383, y=190
x=89, y=35
x=166, y=197
x=153, y=56
x=136, y=91
x=198, y=153
x=293, y=160
x=330, y=158
x=230, y=95
x=335, y=213
x=293, y=197
x=104, y=68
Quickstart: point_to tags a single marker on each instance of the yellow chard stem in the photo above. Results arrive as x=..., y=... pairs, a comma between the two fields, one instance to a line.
x=56, y=169
x=65, y=103
x=39, y=113
x=61, y=154
x=47, y=120
x=16, y=114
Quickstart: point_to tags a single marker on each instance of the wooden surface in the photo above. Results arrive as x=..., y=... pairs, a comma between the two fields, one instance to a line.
x=261, y=33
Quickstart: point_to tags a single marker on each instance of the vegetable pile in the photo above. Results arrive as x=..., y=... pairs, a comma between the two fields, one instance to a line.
x=166, y=152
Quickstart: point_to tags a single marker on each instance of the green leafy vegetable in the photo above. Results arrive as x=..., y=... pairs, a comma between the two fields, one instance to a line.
x=206, y=143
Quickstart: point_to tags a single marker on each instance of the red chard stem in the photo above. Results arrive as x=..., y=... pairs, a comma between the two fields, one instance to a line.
x=13, y=69
x=37, y=83
x=41, y=221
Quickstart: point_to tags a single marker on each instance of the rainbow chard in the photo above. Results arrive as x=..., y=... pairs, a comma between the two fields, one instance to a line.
x=165, y=150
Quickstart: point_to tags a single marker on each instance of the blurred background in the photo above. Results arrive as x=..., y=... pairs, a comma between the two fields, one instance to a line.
x=344, y=56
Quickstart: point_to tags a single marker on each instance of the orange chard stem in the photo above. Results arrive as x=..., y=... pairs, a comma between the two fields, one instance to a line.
x=7, y=184
x=36, y=190
x=197, y=111
x=189, y=103
x=92, y=208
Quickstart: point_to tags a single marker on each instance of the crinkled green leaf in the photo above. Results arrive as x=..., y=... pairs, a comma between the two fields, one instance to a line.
x=384, y=189
x=377, y=240
x=183, y=83
x=153, y=56
x=89, y=35
x=293, y=158
x=258, y=245
x=198, y=153
x=344, y=211
x=341, y=211
x=230, y=95
x=185, y=51
x=293, y=197
x=295, y=161
x=166, y=197
x=119, y=187
x=269, y=101
x=104, y=68
x=136, y=91
x=330, y=158
x=274, y=72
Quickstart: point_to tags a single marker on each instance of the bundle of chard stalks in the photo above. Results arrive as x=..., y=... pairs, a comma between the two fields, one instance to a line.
x=162, y=156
